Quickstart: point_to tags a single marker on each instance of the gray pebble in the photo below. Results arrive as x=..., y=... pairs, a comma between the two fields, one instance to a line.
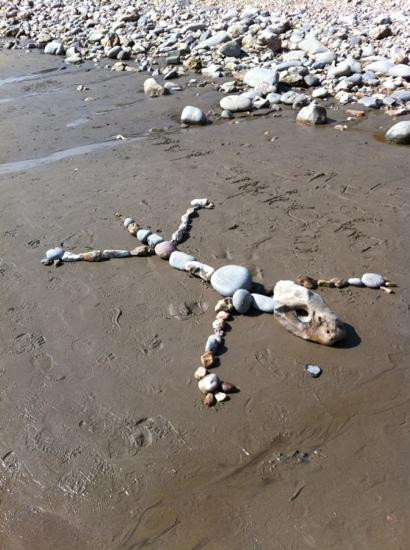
x=314, y=370
x=372, y=280
x=229, y=278
x=242, y=300
x=143, y=234
x=262, y=303
x=154, y=239
x=355, y=281
x=179, y=259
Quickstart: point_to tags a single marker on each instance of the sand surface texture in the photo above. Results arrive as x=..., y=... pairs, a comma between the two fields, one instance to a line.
x=104, y=441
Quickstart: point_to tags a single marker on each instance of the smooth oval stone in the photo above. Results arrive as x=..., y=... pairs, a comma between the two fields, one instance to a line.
x=178, y=259
x=355, y=281
x=314, y=370
x=55, y=253
x=242, y=300
x=165, y=249
x=154, y=239
x=127, y=221
x=229, y=278
x=399, y=133
x=372, y=280
x=235, y=103
x=213, y=343
x=143, y=234
x=262, y=303
x=209, y=383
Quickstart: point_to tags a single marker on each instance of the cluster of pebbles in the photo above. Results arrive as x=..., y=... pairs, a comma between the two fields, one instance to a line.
x=286, y=53
x=232, y=282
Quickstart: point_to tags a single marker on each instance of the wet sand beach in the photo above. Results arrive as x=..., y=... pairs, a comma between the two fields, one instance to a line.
x=104, y=441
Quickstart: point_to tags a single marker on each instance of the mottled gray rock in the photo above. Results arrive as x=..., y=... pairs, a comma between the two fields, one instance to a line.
x=241, y=300
x=229, y=278
x=312, y=114
x=399, y=133
x=304, y=313
x=193, y=115
x=236, y=103
x=293, y=80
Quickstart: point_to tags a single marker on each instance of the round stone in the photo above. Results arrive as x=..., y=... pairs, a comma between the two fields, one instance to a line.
x=165, y=249
x=372, y=280
x=229, y=278
x=143, y=234
x=179, y=259
x=262, y=303
x=154, y=239
x=242, y=300
x=355, y=281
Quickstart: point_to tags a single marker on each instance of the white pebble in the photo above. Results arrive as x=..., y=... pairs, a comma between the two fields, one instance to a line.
x=220, y=396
